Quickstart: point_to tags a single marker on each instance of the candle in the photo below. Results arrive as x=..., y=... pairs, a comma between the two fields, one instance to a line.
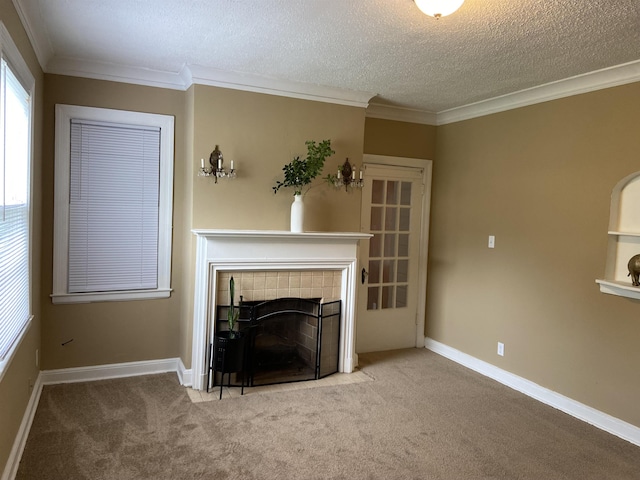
x=202, y=163
x=231, y=164
x=353, y=175
x=219, y=164
x=360, y=174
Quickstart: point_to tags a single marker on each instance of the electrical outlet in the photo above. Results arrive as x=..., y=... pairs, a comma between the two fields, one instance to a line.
x=501, y=349
x=492, y=241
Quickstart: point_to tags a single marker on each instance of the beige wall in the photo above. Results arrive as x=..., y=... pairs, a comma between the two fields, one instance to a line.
x=399, y=139
x=183, y=186
x=110, y=332
x=22, y=371
x=262, y=133
x=539, y=179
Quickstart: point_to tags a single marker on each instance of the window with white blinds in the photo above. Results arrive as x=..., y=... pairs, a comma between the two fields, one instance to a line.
x=112, y=213
x=15, y=159
x=113, y=209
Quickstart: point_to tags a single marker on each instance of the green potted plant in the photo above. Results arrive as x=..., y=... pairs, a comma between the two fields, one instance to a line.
x=299, y=173
x=229, y=346
x=233, y=313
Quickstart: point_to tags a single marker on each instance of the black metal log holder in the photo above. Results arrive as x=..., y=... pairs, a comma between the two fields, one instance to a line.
x=224, y=353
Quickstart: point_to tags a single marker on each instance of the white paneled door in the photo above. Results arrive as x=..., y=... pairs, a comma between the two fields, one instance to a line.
x=389, y=262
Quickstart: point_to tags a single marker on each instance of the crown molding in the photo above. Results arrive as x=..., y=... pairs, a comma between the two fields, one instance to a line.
x=36, y=29
x=196, y=74
x=193, y=74
x=401, y=114
x=115, y=73
x=588, y=82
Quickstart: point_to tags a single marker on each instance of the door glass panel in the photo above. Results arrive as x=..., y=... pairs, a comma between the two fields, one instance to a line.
x=392, y=193
x=404, y=219
x=387, y=297
x=390, y=219
x=374, y=271
x=376, y=218
x=377, y=193
x=403, y=271
x=372, y=298
x=389, y=271
x=390, y=245
x=405, y=193
x=375, y=245
x=403, y=245
x=401, y=296
x=389, y=249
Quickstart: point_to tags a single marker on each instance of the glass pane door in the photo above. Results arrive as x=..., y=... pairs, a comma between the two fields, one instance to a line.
x=390, y=225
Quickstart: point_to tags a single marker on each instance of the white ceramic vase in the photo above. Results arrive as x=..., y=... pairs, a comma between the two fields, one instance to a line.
x=297, y=214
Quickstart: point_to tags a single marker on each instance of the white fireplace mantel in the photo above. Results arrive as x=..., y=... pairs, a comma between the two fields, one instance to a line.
x=233, y=250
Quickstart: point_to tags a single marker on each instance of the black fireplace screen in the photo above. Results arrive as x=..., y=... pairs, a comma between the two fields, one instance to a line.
x=288, y=339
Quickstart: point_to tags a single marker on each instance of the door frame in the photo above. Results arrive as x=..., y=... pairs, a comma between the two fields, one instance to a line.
x=427, y=166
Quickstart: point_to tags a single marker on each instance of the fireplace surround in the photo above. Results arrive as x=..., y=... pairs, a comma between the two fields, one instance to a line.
x=219, y=251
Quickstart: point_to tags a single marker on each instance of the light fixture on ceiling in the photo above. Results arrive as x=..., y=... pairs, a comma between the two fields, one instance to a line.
x=439, y=8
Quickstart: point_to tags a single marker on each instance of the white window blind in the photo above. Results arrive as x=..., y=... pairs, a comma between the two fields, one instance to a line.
x=14, y=208
x=113, y=207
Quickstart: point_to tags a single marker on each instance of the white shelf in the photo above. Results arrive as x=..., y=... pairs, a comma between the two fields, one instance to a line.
x=624, y=238
x=619, y=288
x=624, y=234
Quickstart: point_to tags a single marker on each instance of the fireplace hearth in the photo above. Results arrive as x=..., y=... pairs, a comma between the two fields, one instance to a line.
x=288, y=340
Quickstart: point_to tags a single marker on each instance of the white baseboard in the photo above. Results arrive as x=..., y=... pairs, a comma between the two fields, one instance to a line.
x=114, y=370
x=11, y=468
x=598, y=419
x=184, y=375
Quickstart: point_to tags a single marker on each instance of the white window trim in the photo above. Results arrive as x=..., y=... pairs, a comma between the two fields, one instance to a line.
x=64, y=114
x=21, y=70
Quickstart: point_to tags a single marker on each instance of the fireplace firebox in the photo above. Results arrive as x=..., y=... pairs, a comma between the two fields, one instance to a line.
x=287, y=340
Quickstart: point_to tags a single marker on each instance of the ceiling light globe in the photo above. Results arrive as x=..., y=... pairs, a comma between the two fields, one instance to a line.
x=439, y=8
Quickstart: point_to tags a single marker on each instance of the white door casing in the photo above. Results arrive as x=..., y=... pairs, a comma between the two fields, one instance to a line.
x=392, y=298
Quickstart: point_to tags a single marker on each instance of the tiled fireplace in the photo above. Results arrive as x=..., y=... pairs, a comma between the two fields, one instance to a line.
x=272, y=284
x=268, y=265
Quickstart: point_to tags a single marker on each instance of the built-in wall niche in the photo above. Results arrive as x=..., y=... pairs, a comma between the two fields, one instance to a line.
x=624, y=237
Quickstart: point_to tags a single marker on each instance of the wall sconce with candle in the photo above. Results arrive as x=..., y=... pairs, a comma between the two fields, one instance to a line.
x=347, y=177
x=216, y=170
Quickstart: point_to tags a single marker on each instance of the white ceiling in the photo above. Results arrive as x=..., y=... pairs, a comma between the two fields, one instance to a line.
x=384, y=53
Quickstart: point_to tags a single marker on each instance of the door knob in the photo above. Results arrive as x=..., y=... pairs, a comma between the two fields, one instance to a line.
x=364, y=274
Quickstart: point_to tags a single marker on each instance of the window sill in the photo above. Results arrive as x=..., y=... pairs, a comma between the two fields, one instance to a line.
x=65, y=298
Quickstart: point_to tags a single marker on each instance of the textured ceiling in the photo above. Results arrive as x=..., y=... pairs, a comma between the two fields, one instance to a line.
x=387, y=48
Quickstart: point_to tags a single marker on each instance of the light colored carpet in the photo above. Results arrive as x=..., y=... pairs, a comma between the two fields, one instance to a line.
x=422, y=417
x=213, y=394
